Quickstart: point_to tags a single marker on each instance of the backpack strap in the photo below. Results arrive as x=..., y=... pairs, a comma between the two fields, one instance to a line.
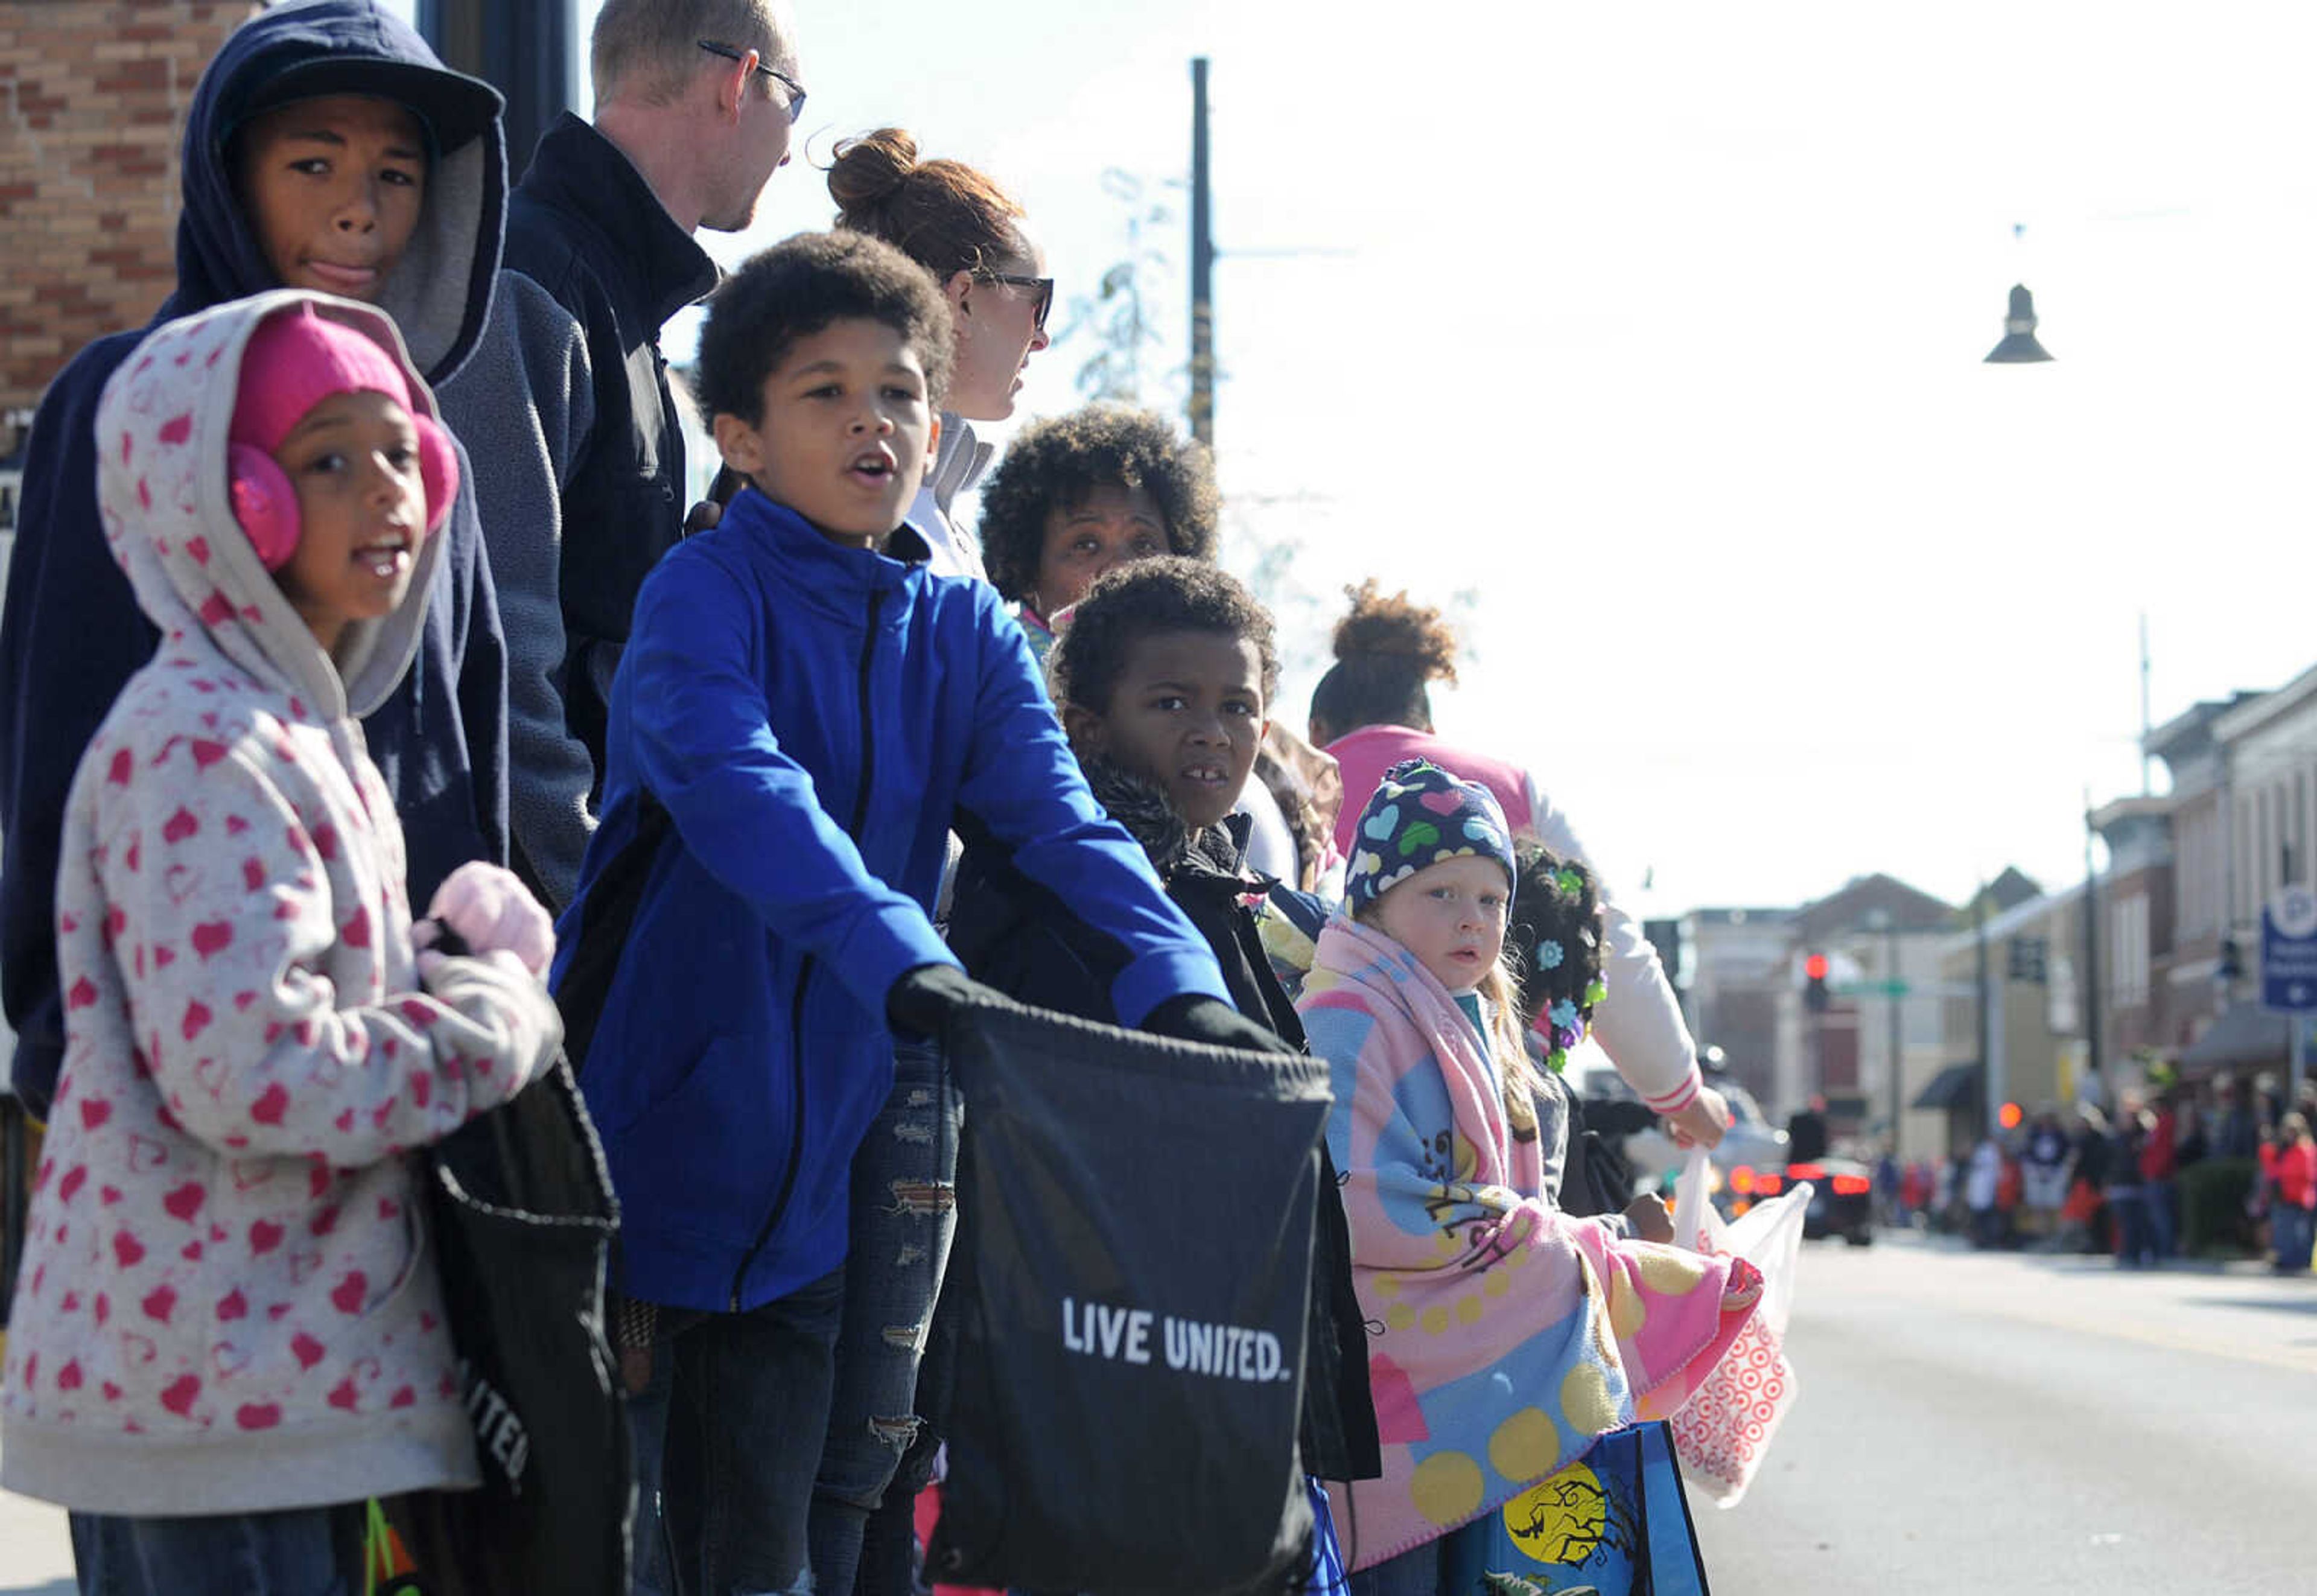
x=604, y=922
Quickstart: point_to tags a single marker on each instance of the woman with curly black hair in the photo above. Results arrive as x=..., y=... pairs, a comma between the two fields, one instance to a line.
x=1081, y=493
x=1100, y=488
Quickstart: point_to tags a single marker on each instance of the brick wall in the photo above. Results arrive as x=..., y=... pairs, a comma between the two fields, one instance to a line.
x=93, y=98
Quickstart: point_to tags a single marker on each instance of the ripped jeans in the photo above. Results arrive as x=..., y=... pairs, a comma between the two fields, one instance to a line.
x=904, y=1211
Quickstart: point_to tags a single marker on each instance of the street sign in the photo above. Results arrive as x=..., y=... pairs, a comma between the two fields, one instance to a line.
x=2288, y=951
x=2062, y=1009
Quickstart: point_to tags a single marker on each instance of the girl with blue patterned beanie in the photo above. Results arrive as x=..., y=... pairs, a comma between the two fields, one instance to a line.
x=1505, y=1335
x=1445, y=842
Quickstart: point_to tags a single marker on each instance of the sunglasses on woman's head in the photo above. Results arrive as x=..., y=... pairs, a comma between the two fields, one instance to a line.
x=1043, y=286
x=795, y=89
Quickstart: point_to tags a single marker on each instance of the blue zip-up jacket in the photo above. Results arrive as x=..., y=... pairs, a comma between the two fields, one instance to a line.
x=72, y=633
x=813, y=719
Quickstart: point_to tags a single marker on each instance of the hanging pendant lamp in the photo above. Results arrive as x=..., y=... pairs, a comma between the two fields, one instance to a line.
x=2019, y=347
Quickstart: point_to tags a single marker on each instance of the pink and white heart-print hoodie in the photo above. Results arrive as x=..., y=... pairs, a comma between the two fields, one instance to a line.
x=227, y=1302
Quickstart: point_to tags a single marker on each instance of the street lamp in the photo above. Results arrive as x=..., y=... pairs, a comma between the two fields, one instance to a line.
x=2019, y=347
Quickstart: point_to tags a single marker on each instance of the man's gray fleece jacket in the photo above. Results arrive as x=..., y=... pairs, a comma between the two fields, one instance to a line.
x=523, y=405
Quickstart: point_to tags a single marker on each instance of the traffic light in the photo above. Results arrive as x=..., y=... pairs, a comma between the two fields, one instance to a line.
x=1815, y=996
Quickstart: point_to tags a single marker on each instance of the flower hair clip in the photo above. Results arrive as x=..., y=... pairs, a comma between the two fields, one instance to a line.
x=1565, y=1024
x=1564, y=1038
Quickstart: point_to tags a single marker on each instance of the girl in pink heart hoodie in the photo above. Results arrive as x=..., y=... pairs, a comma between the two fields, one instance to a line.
x=226, y=1305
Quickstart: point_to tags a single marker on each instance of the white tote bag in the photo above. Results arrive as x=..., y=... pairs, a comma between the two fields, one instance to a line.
x=1724, y=1430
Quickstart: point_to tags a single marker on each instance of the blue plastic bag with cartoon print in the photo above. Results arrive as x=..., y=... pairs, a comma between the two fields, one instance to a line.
x=1613, y=1522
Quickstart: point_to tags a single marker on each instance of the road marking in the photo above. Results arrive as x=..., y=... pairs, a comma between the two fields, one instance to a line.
x=2303, y=1363
x=2116, y=1323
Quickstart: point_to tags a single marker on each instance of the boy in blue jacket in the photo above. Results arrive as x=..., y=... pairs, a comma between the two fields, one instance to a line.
x=802, y=713
x=325, y=147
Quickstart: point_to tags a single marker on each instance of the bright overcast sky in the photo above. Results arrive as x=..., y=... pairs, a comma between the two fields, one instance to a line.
x=1661, y=338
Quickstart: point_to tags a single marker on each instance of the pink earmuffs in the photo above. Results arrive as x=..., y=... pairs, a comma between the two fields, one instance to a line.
x=267, y=505
x=295, y=360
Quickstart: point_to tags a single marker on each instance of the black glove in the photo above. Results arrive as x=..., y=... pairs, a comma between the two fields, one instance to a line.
x=1193, y=1016
x=925, y=1000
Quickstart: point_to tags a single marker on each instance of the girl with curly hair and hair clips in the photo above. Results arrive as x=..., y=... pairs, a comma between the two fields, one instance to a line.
x=1374, y=709
x=1553, y=945
x=958, y=224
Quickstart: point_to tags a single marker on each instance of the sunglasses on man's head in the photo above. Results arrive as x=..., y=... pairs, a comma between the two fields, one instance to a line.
x=1043, y=287
x=795, y=89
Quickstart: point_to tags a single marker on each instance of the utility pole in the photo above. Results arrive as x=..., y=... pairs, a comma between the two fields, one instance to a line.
x=1203, y=266
x=1817, y=1057
x=1883, y=920
x=524, y=51
x=2147, y=784
x=1986, y=1002
x=2296, y=1032
x=1896, y=987
x=2091, y=983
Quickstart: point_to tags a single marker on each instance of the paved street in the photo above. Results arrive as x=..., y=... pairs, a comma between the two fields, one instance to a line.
x=1969, y=1422
x=35, y=1559
x=2015, y=1424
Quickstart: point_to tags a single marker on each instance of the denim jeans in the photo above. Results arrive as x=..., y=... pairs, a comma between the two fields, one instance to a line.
x=1418, y=1573
x=725, y=1442
x=2127, y=1208
x=1423, y=1571
x=2162, y=1198
x=879, y=1451
x=2290, y=1230
x=304, y=1552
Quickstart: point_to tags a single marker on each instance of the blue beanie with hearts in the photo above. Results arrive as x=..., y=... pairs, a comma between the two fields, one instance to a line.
x=1420, y=815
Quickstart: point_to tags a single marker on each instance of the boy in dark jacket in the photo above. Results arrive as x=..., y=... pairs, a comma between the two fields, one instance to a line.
x=1163, y=678
x=328, y=148
x=801, y=715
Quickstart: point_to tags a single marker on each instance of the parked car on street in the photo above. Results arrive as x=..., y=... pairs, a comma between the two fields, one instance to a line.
x=1842, y=1199
x=1752, y=1143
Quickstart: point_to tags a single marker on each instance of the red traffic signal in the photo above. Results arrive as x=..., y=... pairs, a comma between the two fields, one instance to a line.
x=1815, y=967
x=1815, y=996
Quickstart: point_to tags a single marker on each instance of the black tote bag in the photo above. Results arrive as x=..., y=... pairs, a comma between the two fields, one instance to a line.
x=1128, y=1298
x=520, y=1207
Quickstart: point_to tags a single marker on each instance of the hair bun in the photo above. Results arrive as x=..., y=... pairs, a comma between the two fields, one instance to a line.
x=1397, y=628
x=868, y=170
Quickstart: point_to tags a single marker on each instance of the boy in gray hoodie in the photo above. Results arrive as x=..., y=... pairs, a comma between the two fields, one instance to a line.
x=325, y=147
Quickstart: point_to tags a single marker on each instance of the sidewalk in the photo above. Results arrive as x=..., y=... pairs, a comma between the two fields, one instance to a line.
x=35, y=1552
x=1945, y=1242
